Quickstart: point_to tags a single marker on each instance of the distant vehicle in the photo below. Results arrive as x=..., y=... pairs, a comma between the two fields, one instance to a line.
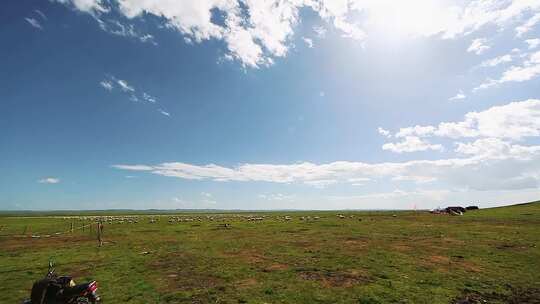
x=54, y=289
x=455, y=209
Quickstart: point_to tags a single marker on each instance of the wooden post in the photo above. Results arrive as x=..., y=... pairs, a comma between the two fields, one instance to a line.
x=24, y=231
x=99, y=232
x=71, y=227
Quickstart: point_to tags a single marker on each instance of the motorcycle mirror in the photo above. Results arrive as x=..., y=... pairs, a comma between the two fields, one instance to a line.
x=51, y=265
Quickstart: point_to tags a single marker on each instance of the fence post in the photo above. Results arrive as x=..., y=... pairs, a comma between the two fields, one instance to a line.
x=99, y=232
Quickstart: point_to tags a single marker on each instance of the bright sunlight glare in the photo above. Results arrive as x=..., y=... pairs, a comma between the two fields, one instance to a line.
x=399, y=19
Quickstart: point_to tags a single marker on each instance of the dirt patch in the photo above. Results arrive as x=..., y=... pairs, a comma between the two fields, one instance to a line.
x=439, y=259
x=470, y=266
x=276, y=267
x=248, y=256
x=182, y=271
x=402, y=248
x=335, y=278
x=515, y=296
x=247, y=283
x=357, y=242
x=446, y=264
x=258, y=260
x=18, y=243
x=254, y=259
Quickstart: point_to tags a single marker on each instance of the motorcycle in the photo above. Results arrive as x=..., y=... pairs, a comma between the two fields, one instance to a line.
x=54, y=289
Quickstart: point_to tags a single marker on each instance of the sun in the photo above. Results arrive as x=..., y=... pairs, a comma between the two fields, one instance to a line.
x=401, y=19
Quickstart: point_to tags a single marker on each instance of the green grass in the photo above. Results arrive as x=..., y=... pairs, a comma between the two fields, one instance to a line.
x=491, y=254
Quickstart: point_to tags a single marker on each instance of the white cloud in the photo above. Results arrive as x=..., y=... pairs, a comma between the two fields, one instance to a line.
x=164, y=113
x=88, y=6
x=521, y=73
x=358, y=181
x=458, y=96
x=252, y=39
x=134, y=167
x=533, y=43
x=491, y=162
x=49, y=180
x=34, y=22
x=411, y=144
x=384, y=132
x=242, y=47
x=478, y=14
x=515, y=121
x=308, y=42
x=488, y=83
x=124, y=86
x=208, y=199
x=528, y=25
x=179, y=200
x=41, y=14
x=517, y=168
x=276, y=197
x=321, y=183
x=419, y=195
x=478, y=46
x=117, y=28
x=190, y=17
x=320, y=31
x=111, y=82
x=496, y=61
x=527, y=71
x=107, y=85
x=448, y=19
x=416, y=131
x=495, y=148
x=256, y=32
x=149, y=97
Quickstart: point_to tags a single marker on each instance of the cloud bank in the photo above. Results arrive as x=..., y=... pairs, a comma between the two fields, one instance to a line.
x=494, y=160
x=256, y=32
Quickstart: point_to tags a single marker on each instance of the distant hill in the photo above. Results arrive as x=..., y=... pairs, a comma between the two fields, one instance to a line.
x=510, y=208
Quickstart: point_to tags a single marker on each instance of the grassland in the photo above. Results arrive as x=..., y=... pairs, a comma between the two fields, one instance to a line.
x=490, y=255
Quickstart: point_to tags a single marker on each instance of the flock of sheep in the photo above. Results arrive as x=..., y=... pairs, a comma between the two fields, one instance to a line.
x=96, y=222
x=153, y=219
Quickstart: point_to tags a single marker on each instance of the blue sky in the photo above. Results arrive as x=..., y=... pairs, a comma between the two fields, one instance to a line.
x=302, y=104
